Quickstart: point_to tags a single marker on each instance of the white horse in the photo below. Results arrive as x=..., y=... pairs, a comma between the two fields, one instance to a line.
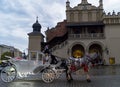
x=74, y=64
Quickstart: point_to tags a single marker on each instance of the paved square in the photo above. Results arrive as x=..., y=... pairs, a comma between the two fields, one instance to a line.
x=104, y=76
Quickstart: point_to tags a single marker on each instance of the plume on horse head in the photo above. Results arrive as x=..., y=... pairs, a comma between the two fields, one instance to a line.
x=90, y=57
x=85, y=60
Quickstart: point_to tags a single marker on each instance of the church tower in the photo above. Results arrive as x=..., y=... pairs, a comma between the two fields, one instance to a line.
x=84, y=2
x=67, y=5
x=35, y=39
x=101, y=4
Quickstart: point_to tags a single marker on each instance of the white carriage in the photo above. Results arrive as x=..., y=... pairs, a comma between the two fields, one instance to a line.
x=26, y=69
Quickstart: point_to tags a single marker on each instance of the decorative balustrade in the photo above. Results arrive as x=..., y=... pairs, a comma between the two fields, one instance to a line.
x=87, y=36
x=59, y=46
x=79, y=36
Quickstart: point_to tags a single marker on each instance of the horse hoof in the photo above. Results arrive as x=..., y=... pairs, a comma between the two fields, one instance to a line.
x=69, y=81
x=88, y=80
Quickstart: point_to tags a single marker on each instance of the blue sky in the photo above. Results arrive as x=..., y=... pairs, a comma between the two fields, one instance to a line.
x=17, y=17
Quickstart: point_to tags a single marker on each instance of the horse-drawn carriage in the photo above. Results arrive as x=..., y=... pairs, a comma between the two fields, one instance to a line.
x=19, y=68
x=22, y=68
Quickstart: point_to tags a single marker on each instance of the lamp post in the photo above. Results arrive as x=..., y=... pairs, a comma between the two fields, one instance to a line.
x=107, y=51
x=12, y=52
x=23, y=54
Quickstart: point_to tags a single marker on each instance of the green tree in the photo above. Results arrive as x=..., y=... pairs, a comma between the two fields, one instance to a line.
x=5, y=54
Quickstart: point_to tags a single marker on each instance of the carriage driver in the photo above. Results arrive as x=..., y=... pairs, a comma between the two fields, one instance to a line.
x=48, y=56
x=46, y=52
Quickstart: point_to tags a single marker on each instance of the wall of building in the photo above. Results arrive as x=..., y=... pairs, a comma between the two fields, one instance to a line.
x=113, y=41
x=65, y=50
x=84, y=12
x=35, y=43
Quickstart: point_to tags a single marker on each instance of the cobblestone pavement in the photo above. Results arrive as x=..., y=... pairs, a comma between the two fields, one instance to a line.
x=102, y=76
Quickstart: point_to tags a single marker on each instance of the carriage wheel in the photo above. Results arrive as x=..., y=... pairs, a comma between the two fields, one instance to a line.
x=8, y=74
x=48, y=75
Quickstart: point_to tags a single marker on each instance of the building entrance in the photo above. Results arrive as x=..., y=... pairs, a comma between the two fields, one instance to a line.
x=98, y=49
x=78, y=51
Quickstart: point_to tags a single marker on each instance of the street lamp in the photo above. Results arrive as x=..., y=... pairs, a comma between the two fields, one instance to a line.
x=107, y=51
x=12, y=52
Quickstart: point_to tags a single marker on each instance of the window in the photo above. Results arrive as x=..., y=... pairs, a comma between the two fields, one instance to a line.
x=33, y=55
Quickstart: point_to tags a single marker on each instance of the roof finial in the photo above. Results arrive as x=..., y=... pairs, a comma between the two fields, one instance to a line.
x=84, y=1
x=113, y=12
x=47, y=28
x=67, y=4
x=68, y=1
x=101, y=4
x=37, y=19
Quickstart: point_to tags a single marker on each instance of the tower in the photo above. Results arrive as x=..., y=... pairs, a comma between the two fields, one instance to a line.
x=35, y=39
x=101, y=4
x=67, y=4
x=84, y=2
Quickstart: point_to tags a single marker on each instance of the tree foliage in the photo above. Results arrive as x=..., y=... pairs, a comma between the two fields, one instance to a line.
x=5, y=54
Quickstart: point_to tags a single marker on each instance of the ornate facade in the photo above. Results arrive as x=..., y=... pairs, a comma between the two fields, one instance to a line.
x=87, y=28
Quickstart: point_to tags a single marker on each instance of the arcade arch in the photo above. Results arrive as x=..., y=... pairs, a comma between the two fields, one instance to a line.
x=78, y=51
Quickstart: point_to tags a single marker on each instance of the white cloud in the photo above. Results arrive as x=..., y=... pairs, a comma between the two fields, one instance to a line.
x=4, y=33
x=111, y=5
x=18, y=33
x=17, y=17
